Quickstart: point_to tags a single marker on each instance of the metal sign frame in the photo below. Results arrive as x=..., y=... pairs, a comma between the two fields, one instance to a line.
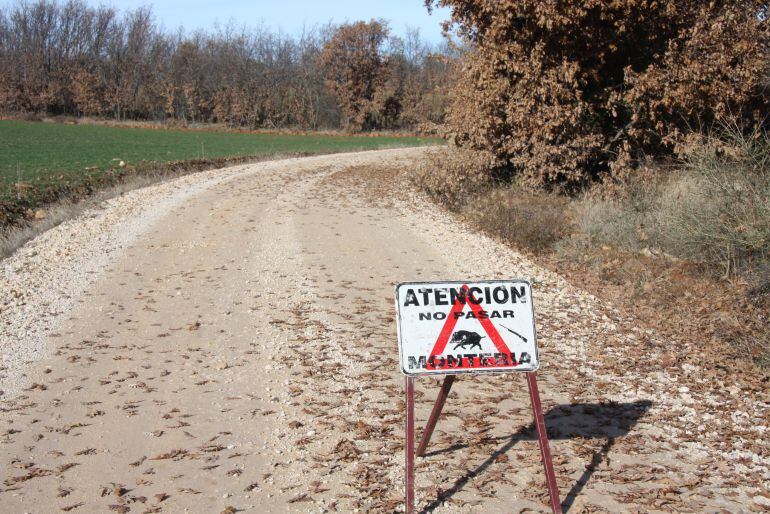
x=449, y=379
x=539, y=422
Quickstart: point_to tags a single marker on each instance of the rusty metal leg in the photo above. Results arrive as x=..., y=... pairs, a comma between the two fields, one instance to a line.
x=409, y=446
x=542, y=437
x=437, y=408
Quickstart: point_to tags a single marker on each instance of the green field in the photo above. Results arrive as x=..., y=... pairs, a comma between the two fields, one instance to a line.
x=41, y=153
x=44, y=162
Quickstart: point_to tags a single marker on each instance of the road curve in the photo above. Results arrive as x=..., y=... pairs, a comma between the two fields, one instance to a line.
x=227, y=339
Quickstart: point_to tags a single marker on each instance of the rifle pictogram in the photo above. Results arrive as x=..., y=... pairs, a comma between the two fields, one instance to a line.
x=515, y=333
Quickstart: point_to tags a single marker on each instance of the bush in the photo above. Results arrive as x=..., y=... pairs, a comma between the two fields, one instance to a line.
x=565, y=91
x=608, y=222
x=528, y=220
x=621, y=238
x=718, y=211
x=621, y=213
x=467, y=183
x=451, y=175
x=714, y=209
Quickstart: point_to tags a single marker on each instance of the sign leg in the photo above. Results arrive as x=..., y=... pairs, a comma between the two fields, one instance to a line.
x=435, y=413
x=409, y=446
x=542, y=437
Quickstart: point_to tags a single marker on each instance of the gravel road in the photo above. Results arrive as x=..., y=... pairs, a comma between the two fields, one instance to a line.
x=225, y=342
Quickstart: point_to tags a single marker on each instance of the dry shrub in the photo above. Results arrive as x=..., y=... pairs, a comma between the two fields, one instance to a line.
x=528, y=220
x=566, y=90
x=718, y=210
x=452, y=175
x=714, y=209
x=607, y=221
x=621, y=213
x=31, y=116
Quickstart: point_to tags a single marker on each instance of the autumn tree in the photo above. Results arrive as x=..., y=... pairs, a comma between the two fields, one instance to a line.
x=356, y=69
x=565, y=91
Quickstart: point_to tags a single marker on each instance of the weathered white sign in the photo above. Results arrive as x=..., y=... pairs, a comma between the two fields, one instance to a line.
x=466, y=327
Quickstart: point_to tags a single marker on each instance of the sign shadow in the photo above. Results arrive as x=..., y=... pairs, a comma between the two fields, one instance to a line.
x=583, y=420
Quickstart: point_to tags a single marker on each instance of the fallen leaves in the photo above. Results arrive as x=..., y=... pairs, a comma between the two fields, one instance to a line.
x=33, y=472
x=346, y=450
x=114, y=490
x=175, y=454
x=212, y=448
x=316, y=487
x=139, y=462
x=302, y=497
x=64, y=467
x=69, y=428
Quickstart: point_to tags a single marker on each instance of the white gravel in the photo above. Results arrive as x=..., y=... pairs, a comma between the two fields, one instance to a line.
x=44, y=278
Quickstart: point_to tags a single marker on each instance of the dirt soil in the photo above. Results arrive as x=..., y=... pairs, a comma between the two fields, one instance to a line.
x=226, y=342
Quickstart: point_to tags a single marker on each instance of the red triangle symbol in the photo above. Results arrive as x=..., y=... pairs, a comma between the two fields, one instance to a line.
x=466, y=298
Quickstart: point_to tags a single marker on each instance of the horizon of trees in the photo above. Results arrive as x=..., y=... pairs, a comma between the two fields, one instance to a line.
x=73, y=59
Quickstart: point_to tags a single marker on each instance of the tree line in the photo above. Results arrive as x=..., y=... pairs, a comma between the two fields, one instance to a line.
x=73, y=59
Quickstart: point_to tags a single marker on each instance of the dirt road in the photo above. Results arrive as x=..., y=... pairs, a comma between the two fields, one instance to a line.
x=228, y=340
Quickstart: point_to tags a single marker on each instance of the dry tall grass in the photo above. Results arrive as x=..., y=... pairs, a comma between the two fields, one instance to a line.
x=718, y=210
x=714, y=209
x=526, y=219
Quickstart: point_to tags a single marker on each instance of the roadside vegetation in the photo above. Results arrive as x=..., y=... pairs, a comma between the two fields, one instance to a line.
x=627, y=147
x=688, y=247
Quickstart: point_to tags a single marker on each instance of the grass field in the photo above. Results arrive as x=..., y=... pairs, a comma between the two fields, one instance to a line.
x=42, y=162
x=42, y=152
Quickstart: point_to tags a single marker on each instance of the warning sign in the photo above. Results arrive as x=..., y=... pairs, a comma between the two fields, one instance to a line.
x=466, y=327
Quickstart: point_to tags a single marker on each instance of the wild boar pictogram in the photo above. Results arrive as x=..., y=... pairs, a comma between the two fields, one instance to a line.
x=466, y=340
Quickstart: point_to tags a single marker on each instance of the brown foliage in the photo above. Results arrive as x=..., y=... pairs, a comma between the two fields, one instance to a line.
x=452, y=175
x=73, y=59
x=355, y=70
x=570, y=90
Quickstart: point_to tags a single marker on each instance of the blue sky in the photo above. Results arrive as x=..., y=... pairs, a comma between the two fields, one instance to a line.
x=288, y=15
